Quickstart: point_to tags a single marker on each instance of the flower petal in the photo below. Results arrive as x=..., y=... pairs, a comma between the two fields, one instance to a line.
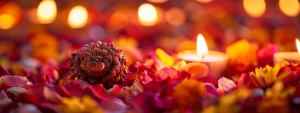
x=225, y=84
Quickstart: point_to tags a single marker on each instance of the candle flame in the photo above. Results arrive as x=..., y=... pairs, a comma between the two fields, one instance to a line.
x=298, y=45
x=78, y=17
x=201, y=45
x=147, y=14
x=46, y=11
x=254, y=8
x=289, y=7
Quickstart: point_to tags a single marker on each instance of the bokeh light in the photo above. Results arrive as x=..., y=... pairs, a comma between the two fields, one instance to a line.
x=289, y=7
x=147, y=14
x=6, y=21
x=78, y=17
x=254, y=8
x=175, y=16
x=10, y=14
x=46, y=11
x=158, y=1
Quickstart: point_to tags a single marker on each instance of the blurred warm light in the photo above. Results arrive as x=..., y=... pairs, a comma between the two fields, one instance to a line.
x=9, y=15
x=147, y=14
x=6, y=21
x=118, y=20
x=289, y=7
x=175, y=16
x=201, y=45
x=204, y=1
x=46, y=11
x=157, y=1
x=78, y=17
x=254, y=8
x=298, y=45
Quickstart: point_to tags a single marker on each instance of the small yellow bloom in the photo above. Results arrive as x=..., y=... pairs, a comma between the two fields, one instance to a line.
x=76, y=105
x=276, y=99
x=242, y=53
x=229, y=102
x=124, y=42
x=263, y=77
x=44, y=46
x=164, y=57
x=187, y=93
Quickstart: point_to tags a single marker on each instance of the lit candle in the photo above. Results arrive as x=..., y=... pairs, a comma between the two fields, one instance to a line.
x=292, y=57
x=216, y=61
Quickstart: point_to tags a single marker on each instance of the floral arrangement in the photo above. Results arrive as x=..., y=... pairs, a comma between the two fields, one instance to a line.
x=96, y=79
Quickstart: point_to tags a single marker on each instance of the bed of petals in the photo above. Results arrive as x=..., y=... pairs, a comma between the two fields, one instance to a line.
x=160, y=83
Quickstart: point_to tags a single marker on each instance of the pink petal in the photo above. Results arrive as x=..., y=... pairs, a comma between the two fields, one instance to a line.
x=13, y=81
x=166, y=73
x=114, y=106
x=225, y=84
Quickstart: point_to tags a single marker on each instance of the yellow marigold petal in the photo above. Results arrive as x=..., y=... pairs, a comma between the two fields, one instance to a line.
x=180, y=65
x=164, y=57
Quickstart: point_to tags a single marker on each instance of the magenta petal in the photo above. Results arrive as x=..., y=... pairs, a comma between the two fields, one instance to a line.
x=114, y=92
x=45, y=107
x=114, y=106
x=153, y=86
x=166, y=73
x=4, y=98
x=51, y=95
x=209, y=79
x=76, y=87
x=3, y=71
x=145, y=78
x=62, y=91
x=244, y=79
x=265, y=55
x=33, y=88
x=13, y=81
x=133, y=68
x=144, y=103
x=211, y=89
x=182, y=75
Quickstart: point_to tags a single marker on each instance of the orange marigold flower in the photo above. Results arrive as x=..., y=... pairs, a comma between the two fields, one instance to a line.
x=242, y=53
x=44, y=46
x=187, y=93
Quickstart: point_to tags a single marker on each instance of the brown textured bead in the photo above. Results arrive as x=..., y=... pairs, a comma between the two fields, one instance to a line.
x=99, y=63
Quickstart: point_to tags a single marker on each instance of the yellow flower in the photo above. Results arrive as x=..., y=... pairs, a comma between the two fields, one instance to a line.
x=75, y=105
x=44, y=46
x=124, y=42
x=275, y=99
x=229, y=102
x=187, y=93
x=179, y=65
x=242, y=53
x=263, y=77
x=164, y=57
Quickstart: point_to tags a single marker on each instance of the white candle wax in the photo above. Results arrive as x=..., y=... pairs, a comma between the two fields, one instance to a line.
x=291, y=57
x=216, y=61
